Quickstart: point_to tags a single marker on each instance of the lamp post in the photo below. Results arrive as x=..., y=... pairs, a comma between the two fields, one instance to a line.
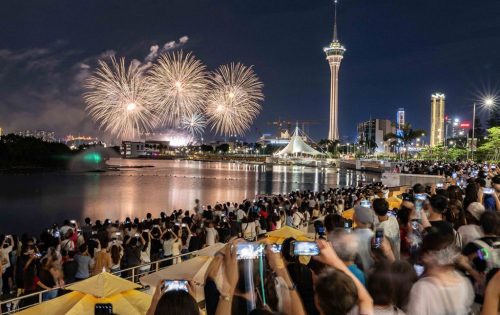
x=487, y=102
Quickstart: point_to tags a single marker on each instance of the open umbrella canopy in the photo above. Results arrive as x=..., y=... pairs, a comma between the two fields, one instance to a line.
x=103, y=288
x=193, y=270
x=210, y=250
x=103, y=285
x=394, y=202
x=278, y=236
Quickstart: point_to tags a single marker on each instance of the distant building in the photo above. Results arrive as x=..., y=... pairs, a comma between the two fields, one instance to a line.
x=44, y=135
x=133, y=149
x=75, y=141
x=437, y=119
x=372, y=133
x=148, y=148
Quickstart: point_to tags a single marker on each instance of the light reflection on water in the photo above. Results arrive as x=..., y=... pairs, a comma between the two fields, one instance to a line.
x=29, y=202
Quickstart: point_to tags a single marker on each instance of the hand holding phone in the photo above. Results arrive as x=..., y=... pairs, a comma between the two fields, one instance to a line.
x=246, y=250
x=379, y=238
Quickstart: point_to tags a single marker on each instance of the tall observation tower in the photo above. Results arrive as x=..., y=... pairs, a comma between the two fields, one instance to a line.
x=334, y=54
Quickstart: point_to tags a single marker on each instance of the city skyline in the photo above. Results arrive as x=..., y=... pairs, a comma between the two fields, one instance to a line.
x=390, y=56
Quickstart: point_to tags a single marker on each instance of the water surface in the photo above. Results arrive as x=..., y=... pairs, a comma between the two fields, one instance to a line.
x=29, y=202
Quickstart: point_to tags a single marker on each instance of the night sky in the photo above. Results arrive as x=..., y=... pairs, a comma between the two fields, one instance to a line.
x=399, y=52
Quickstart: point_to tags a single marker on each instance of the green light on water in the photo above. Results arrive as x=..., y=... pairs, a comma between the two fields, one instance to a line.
x=92, y=158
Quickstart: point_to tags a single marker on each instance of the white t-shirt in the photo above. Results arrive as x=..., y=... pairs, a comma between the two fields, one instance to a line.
x=298, y=218
x=470, y=232
x=391, y=231
x=249, y=230
x=240, y=214
x=429, y=297
x=168, y=247
x=211, y=235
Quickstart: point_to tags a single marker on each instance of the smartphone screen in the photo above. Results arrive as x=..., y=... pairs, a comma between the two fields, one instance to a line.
x=249, y=250
x=276, y=248
x=305, y=248
x=365, y=203
x=379, y=237
x=418, y=269
x=439, y=185
x=488, y=191
x=174, y=285
x=347, y=226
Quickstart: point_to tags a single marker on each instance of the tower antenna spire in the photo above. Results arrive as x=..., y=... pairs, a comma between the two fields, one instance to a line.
x=335, y=36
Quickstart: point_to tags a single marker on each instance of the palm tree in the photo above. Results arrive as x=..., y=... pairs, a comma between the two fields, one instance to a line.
x=404, y=137
x=329, y=146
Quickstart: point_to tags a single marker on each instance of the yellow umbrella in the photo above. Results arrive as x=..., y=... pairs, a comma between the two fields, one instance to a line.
x=348, y=214
x=394, y=202
x=278, y=236
x=102, y=288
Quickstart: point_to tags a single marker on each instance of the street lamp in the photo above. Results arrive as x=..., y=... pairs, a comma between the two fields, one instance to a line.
x=487, y=102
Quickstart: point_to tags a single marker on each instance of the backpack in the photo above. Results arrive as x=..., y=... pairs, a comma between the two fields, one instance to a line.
x=492, y=256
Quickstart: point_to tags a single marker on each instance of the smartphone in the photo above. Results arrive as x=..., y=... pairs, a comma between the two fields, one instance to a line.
x=38, y=255
x=379, y=237
x=72, y=221
x=118, y=233
x=365, y=203
x=174, y=285
x=419, y=270
x=276, y=248
x=439, y=185
x=321, y=230
x=347, y=226
x=421, y=197
x=249, y=250
x=391, y=213
x=94, y=232
x=183, y=225
x=103, y=308
x=488, y=191
x=454, y=175
x=56, y=234
x=145, y=230
x=137, y=235
x=304, y=248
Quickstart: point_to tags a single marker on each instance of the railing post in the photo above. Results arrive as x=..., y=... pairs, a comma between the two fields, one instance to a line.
x=39, y=298
x=133, y=274
x=157, y=265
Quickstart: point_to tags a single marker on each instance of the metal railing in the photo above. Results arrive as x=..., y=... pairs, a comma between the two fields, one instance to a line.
x=133, y=274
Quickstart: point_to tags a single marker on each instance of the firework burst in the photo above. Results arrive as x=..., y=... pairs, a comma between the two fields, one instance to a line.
x=194, y=124
x=233, y=102
x=178, y=86
x=116, y=99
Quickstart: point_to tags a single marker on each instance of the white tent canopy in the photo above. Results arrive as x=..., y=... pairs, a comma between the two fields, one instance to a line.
x=297, y=146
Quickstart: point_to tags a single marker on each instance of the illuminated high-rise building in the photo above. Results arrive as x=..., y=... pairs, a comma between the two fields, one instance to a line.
x=334, y=54
x=400, y=119
x=437, y=119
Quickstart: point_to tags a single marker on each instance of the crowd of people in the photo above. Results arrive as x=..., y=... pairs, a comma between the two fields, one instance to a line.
x=437, y=253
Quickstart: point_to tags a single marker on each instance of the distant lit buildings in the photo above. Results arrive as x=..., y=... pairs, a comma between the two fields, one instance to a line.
x=75, y=141
x=437, y=119
x=371, y=134
x=148, y=148
x=44, y=135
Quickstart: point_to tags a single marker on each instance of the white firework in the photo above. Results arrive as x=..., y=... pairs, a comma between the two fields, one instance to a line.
x=233, y=102
x=178, y=86
x=194, y=124
x=116, y=99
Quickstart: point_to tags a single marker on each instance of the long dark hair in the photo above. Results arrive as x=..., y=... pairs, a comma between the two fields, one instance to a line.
x=177, y=303
x=115, y=254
